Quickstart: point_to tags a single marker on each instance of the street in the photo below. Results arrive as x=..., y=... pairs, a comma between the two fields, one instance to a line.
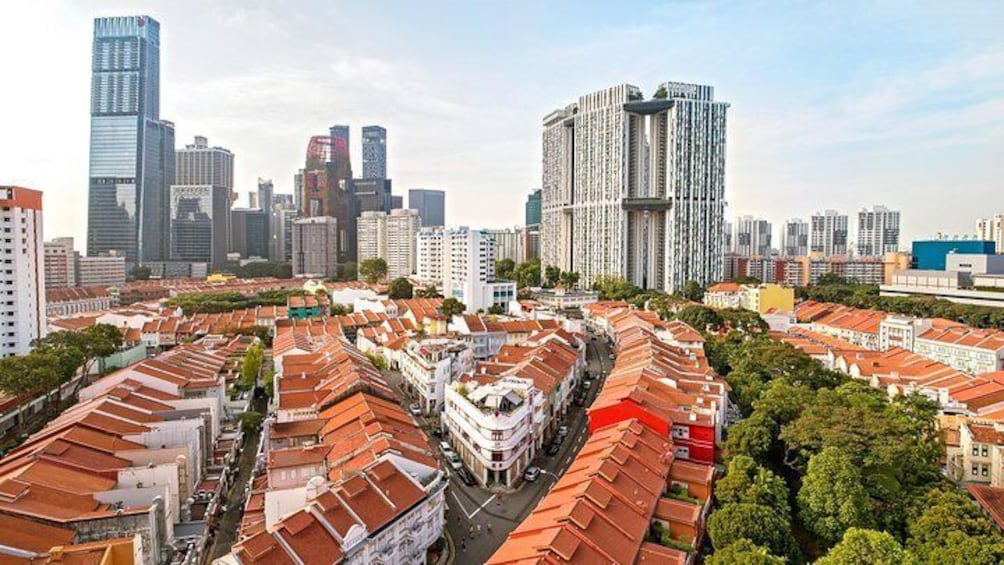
x=478, y=520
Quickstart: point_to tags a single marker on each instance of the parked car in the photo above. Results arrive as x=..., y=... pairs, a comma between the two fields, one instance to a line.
x=415, y=410
x=611, y=357
x=587, y=384
x=563, y=431
x=445, y=447
x=531, y=474
x=467, y=477
x=454, y=460
x=553, y=448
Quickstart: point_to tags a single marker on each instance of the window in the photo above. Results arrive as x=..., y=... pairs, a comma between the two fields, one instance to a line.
x=976, y=450
x=497, y=456
x=976, y=469
x=984, y=470
x=983, y=451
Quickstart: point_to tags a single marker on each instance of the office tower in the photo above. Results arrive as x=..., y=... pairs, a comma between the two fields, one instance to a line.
x=431, y=206
x=429, y=263
x=794, y=238
x=992, y=229
x=828, y=233
x=200, y=164
x=103, y=270
x=374, y=152
x=266, y=194
x=249, y=232
x=509, y=243
x=339, y=135
x=372, y=195
x=281, y=232
x=753, y=237
x=635, y=188
x=200, y=222
x=315, y=247
x=132, y=149
x=326, y=187
x=298, y=191
x=60, y=263
x=878, y=231
x=396, y=202
x=23, y=283
x=531, y=214
x=392, y=237
x=253, y=200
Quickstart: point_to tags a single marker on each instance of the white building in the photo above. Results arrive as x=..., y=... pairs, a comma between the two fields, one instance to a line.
x=23, y=270
x=966, y=349
x=60, y=263
x=992, y=229
x=491, y=427
x=462, y=260
x=794, y=238
x=429, y=365
x=315, y=247
x=103, y=270
x=510, y=243
x=391, y=237
x=828, y=233
x=621, y=195
x=878, y=231
x=753, y=237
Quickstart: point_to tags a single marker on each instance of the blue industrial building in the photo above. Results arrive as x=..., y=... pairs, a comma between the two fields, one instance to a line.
x=930, y=255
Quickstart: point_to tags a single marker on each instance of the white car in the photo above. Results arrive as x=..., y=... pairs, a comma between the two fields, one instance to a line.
x=415, y=410
x=446, y=448
x=563, y=431
x=531, y=474
x=454, y=460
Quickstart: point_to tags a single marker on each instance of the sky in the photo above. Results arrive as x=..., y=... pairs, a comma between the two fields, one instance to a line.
x=833, y=104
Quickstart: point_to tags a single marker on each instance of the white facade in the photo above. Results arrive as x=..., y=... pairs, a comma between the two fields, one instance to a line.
x=878, y=231
x=429, y=365
x=22, y=271
x=828, y=233
x=391, y=237
x=635, y=188
x=752, y=237
x=429, y=263
x=965, y=358
x=491, y=427
x=510, y=243
x=101, y=271
x=794, y=238
x=992, y=229
x=462, y=260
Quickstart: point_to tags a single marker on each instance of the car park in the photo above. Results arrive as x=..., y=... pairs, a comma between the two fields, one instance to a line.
x=531, y=474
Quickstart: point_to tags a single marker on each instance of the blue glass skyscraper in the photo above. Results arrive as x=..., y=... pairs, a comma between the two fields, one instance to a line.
x=132, y=149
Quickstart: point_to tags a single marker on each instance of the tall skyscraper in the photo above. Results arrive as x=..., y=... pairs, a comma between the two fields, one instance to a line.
x=132, y=149
x=339, y=143
x=374, y=152
x=753, y=237
x=878, y=231
x=431, y=206
x=531, y=216
x=200, y=164
x=371, y=195
x=200, y=223
x=23, y=285
x=992, y=229
x=390, y=236
x=249, y=232
x=635, y=188
x=326, y=186
x=828, y=233
x=794, y=238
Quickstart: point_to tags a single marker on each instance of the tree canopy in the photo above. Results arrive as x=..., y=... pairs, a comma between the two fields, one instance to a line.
x=452, y=307
x=373, y=270
x=505, y=269
x=866, y=547
x=833, y=497
x=400, y=288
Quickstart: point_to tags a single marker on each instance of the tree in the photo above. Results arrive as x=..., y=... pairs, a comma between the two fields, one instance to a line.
x=660, y=93
x=452, y=307
x=497, y=310
x=748, y=482
x=701, y=318
x=865, y=547
x=250, y=421
x=429, y=291
x=833, y=497
x=744, y=552
x=831, y=279
x=743, y=320
x=948, y=526
x=527, y=274
x=139, y=273
x=693, y=291
x=373, y=270
x=551, y=276
x=400, y=288
x=346, y=271
x=761, y=525
x=752, y=438
x=251, y=366
x=505, y=269
x=747, y=280
x=569, y=279
x=615, y=288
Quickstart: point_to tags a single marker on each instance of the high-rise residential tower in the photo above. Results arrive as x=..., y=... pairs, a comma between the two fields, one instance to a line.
x=315, y=247
x=753, y=237
x=198, y=164
x=794, y=238
x=992, y=229
x=23, y=283
x=374, y=152
x=878, y=231
x=431, y=206
x=828, y=233
x=635, y=188
x=390, y=236
x=60, y=263
x=462, y=260
x=132, y=149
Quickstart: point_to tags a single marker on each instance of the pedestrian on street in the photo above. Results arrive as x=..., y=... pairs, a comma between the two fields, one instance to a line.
x=463, y=545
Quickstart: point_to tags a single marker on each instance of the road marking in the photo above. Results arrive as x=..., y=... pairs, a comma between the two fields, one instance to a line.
x=461, y=506
x=475, y=513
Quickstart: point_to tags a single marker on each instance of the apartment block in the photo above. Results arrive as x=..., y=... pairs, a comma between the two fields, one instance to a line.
x=392, y=237
x=315, y=247
x=429, y=366
x=22, y=271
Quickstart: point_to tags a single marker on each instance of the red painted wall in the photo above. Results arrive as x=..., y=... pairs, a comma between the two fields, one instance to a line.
x=625, y=410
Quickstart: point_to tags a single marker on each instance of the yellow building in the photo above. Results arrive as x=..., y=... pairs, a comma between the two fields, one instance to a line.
x=220, y=278
x=765, y=297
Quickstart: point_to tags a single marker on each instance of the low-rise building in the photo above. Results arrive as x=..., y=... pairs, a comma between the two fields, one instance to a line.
x=429, y=365
x=966, y=349
x=67, y=301
x=103, y=270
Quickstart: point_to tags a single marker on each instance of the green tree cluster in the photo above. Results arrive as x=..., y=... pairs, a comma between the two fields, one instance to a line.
x=428, y=292
x=615, y=288
x=400, y=288
x=373, y=270
x=251, y=366
x=452, y=307
x=217, y=302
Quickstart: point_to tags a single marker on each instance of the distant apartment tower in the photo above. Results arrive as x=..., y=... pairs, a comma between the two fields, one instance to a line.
x=265, y=197
x=23, y=266
x=510, y=243
x=429, y=260
x=635, y=188
x=391, y=236
x=200, y=164
x=753, y=237
x=315, y=247
x=531, y=233
x=828, y=233
x=462, y=260
x=60, y=263
x=281, y=231
x=878, y=231
x=249, y=232
x=992, y=229
x=374, y=152
x=200, y=224
x=728, y=244
x=132, y=150
x=431, y=206
x=794, y=238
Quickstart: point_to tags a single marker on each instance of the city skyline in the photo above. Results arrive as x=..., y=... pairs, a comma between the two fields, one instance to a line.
x=912, y=104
